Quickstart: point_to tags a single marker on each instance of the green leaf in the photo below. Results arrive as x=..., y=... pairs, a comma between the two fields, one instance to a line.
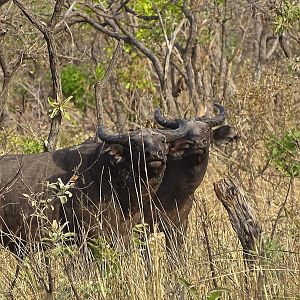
x=54, y=112
x=216, y=294
x=220, y=2
x=66, y=100
x=52, y=102
x=190, y=287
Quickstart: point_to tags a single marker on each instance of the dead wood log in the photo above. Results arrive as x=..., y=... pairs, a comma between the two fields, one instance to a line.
x=242, y=217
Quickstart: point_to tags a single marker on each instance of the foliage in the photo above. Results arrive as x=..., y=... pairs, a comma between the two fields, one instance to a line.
x=216, y=294
x=53, y=233
x=58, y=236
x=285, y=152
x=150, y=32
x=135, y=78
x=31, y=145
x=61, y=190
x=25, y=144
x=272, y=250
x=76, y=84
x=94, y=275
x=190, y=288
x=106, y=256
x=287, y=14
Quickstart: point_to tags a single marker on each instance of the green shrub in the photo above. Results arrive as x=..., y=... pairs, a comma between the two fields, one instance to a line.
x=24, y=144
x=285, y=152
x=76, y=83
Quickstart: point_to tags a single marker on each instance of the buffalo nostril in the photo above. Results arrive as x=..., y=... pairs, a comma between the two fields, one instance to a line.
x=204, y=142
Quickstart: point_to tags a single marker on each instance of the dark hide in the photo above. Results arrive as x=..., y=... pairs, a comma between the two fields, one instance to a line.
x=109, y=184
x=186, y=166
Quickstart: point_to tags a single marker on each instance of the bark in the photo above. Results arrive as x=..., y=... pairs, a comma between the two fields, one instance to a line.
x=263, y=52
x=187, y=56
x=3, y=2
x=242, y=217
x=8, y=73
x=48, y=32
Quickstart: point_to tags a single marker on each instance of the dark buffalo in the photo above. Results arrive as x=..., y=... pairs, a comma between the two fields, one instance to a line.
x=107, y=181
x=185, y=170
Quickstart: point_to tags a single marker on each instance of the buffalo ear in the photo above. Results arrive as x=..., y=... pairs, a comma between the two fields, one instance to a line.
x=223, y=135
x=116, y=153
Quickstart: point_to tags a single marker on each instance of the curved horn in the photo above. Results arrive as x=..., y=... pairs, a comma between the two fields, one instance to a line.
x=122, y=139
x=164, y=122
x=217, y=120
x=180, y=131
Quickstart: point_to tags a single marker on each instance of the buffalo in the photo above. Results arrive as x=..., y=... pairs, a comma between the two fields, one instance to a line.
x=186, y=166
x=101, y=186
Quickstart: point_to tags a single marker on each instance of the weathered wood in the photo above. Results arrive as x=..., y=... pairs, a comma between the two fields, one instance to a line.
x=242, y=217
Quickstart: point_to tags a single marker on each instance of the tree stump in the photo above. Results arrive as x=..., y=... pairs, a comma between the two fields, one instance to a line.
x=242, y=217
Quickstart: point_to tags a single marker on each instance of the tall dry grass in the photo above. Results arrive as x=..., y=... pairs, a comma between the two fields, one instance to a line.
x=211, y=260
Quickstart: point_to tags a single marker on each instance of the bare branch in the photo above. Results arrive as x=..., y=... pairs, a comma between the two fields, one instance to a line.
x=192, y=29
x=53, y=60
x=101, y=83
x=8, y=73
x=56, y=13
x=36, y=23
x=284, y=47
x=282, y=206
x=3, y=2
x=100, y=27
x=145, y=18
x=272, y=49
x=127, y=38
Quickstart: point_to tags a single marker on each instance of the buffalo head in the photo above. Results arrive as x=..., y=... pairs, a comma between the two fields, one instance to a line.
x=147, y=148
x=200, y=133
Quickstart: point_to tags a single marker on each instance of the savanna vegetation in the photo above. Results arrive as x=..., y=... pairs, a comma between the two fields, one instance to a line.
x=182, y=56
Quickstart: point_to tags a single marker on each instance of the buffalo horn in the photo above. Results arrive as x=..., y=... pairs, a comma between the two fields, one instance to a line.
x=217, y=120
x=164, y=122
x=121, y=139
x=179, y=131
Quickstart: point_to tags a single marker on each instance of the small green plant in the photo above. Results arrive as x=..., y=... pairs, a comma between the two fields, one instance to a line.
x=59, y=107
x=52, y=233
x=272, y=250
x=214, y=294
x=30, y=145
x=61, y=190
x=285, y=152
x=76, y=83
x=138, y=232
x=190, y=288
x=217, y=293
x=106, y=256
x=56, y=236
